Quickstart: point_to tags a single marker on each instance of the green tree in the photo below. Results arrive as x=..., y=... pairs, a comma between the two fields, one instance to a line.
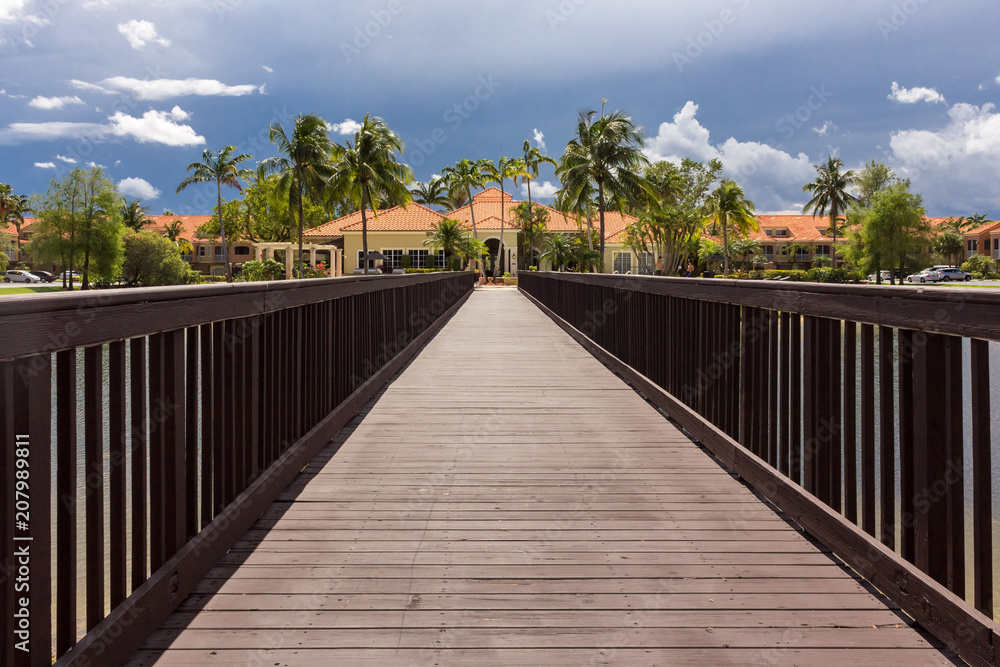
x=977, y=220
x=447, y=235
x=303, y=163
x=532, y=160
x=134, y=215
x=745, y=248
x=728, y=208
x=432, y=193
x=892, y=228
x=605, y=154
x=584, y=257
x=368, y=172
x=12, y=210
x=222, y=170
x=463, y=176
x=830, y=195
x=950, y=246
x=80, y=221
x=579, y=206
x=532, y=221
x=152, y=260
x=873, y=178
x=498, y=172
x=558, y=250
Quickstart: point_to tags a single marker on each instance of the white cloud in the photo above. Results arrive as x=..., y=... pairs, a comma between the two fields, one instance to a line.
x=93, y=164
x=67, y=160
x=138, y=188
x=156, y=127
x=48, y=103
x=153, y=127
x=955, y=166
x=268, y=69
x=347, y=127
x=45, y=165
x=546, y=190
x=828, y=127
x=771, y=178
x=914, y=95
x=161, y=89
x=540, y=139
x=90, y=87
x=141, y=33
x=12, y=11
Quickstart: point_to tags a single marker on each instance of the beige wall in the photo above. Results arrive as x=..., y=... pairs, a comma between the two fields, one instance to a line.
x=405, y=241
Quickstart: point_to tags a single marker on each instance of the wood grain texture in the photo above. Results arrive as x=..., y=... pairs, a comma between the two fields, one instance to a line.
x=508, y=500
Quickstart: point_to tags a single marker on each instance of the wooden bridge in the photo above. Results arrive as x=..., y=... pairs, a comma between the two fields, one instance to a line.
x=502, y=498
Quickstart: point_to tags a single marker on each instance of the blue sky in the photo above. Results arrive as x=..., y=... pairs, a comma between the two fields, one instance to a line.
x=771, y=87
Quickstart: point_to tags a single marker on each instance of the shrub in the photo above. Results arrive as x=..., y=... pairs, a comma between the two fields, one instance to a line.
x=840, y=275
x=792, y=275
x=406, y=262
x=257, y=270
x=421, y=270
x=981, y=267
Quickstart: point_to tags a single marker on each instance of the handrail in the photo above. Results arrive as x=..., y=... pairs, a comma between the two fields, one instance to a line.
x=195, y=406
x=799, y=388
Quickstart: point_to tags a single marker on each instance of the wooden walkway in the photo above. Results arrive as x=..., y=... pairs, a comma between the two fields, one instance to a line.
x=509, y=501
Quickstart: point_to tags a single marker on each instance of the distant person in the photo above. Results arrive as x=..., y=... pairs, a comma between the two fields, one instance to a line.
x=659, y=265
x=690, y=270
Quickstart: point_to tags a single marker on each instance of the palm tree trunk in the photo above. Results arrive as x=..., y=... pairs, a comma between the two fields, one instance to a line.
x=600, y=210
x=590, y=230
x=725, y=250
x=496, y=266
x=833, y=226
x=364, y=229
x=222, y=234
x=301, y=194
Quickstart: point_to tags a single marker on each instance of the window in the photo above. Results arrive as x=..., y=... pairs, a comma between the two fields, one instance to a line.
x=361, y=255
x=393, y=258
x=647, y=264
x=201, y=251
x=996, y=248
x=769, y=253
x=802, y=254
x=434, y=261
x=972, y=247
x=769, y=232
x=218, y=253
x=623, y=262
x=241, y=250
x=781, y=232
x=418, y=259
x=823, y=250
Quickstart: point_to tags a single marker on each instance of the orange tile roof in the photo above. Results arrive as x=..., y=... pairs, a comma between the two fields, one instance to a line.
x=412, y=218
x=988, y=227
x=189, y=224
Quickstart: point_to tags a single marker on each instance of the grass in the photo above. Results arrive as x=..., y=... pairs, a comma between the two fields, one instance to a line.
x=31, y=290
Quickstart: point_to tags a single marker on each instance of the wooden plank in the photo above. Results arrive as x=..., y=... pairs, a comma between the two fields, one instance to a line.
x=117, y=466
x=93, y=358
x=982, y=482
x=140, y=445
x=66, y=508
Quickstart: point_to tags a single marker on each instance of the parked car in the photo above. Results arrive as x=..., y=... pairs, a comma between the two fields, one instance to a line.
x=18, y=276
x=65, y=275
x=925, y=276
x=886, y=277
x=44, y=275
x=953, y=274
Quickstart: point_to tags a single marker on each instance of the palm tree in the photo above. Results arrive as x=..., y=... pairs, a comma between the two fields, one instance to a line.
x=533, y=159
x=582, y=208
x=558, y=250
x=134, y=214
x=728, y=208
x=367, y=172
x=433, y=193
x=465, y=175
x=303, y=163
x=447, y=235
x=533, y=222
x=830, y=195
x=222, y=170
x=173, y=230
x=606, y=154
x=512, y=168
x=977, y=220
x=12, y=210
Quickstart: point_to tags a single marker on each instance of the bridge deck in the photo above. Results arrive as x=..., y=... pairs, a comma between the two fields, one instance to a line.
x=507, y=500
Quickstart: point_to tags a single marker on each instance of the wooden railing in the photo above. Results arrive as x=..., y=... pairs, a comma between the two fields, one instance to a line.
x=163, y=422
x=808, y=391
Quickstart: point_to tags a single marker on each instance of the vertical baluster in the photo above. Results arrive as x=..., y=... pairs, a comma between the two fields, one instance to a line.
x=93, y=435
x=982, y=484
x=192, y=426
x=810, y=408
x=795, y=386
x=930, y=459
x=954, y=472
x=205, y=359
x=220, y=429
x=66, y=506
x=887, y=438
x=118, y=498
x=850, y=422
x=784, y=409
x=139, y=443
x=906, y=422
x=836, y=428
x=253, y=366
x=868, y=429
x=773, y=394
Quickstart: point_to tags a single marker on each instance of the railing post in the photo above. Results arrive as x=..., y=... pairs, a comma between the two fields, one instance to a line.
x=930, y=459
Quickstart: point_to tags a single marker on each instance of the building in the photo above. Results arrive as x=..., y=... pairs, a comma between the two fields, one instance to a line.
x=984, y=240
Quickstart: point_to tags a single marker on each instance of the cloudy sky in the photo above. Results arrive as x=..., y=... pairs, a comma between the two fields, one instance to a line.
x=771, y=87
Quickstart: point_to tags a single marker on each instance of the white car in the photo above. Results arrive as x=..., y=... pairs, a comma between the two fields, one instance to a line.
x=18, y=276
x=925, y=276
x=953, y=274
x=886, y=276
